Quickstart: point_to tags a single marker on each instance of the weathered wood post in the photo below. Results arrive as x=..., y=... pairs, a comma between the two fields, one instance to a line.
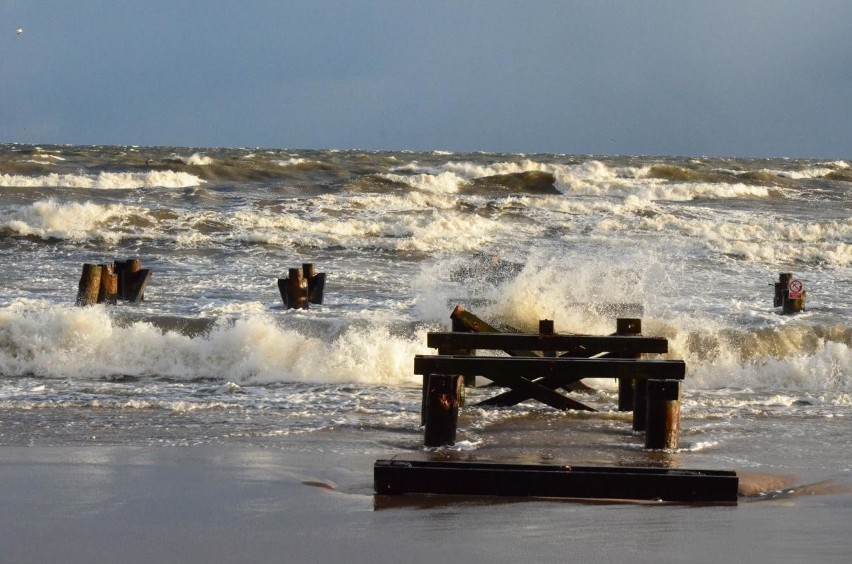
x=294, y=289
x=89, y=286
x=459, y=383
x=109, y=284
x=663, y=428
x=442, y=410
x=458, y=326
x=640, y=404
x=132, y=279
x=545, y=329
x=316, y=282
x=626, y=386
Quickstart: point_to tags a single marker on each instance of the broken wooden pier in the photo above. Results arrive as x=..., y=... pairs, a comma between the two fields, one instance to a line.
x=541, y=366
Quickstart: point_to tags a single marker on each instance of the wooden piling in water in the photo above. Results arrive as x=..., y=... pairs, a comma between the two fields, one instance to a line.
x=458, y=326
x=627, y=326
x=108, y=291
x=294, y=289
x=663, y=419
x=316, y=282
x=302, y=286
x=442, y=410
x=132, y=279
x=545, y=329
x=468, y=380
x=107, y=283
x=640, y=405
x=89, y=286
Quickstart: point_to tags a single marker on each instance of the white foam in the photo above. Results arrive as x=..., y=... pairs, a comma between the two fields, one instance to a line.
x=292, y=161
x=195, y=159
x=817, y=171
x=591, y=177
x=441, y=183
x=67, y=342
x=48, y=218
x=105, y=180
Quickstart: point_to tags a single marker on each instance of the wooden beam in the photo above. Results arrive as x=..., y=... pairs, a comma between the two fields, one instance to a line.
x=394, y=477
x=568, y=369
x=516, y=396
x=537, y=342
x=529, y=389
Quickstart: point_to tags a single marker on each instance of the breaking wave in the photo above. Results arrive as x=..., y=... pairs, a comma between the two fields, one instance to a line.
x=105, y=180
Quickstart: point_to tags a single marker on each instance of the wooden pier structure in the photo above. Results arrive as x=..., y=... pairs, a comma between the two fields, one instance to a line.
x=542, y=366
x=547, y=367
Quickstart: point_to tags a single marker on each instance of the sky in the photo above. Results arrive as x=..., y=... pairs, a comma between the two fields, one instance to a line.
x=746, y=78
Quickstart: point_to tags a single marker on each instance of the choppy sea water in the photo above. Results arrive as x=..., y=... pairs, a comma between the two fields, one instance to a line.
x=212, y=355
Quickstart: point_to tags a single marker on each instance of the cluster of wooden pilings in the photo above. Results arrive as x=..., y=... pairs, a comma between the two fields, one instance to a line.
x=790, y=294
x=302, y=286
x=110, y=282
x=540, y=365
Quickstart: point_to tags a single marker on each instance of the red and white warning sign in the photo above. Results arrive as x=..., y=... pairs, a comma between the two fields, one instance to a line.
x=795, y=289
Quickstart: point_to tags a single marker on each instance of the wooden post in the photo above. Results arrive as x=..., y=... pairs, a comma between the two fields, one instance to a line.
x=459, y=327
x=134, y=265
x=132, y=279
x=109, y=284
x=442, y=410
x=294, y=289
x=316, y=282
x=460, y=395
x=309, y=270
x=137, y=289
x=136, y=278
x=545, y=329
x=461, y=382
x=626, y=386
x=640, y=404
x=89, y=286
x=783, y=280
x=663, y=430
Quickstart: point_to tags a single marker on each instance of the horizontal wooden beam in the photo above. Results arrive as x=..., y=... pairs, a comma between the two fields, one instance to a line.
x=394, y=477
x=563, y=368
x=534, y=342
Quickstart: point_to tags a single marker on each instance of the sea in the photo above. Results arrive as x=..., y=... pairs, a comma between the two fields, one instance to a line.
x=212, y=357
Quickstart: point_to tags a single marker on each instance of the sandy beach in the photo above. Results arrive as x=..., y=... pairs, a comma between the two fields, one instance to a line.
x=310, y=499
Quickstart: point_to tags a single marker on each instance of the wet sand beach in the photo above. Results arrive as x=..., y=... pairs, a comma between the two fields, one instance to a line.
x=309, y=498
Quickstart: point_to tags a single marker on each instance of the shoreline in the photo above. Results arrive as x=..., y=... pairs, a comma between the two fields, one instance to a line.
x=310, y=498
